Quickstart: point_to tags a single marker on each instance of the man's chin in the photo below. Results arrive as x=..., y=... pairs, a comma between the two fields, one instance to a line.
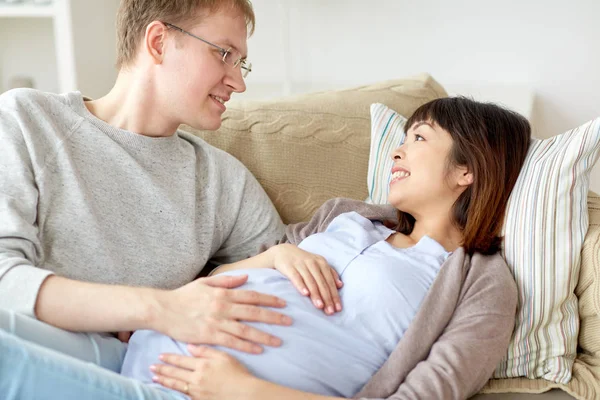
x=206, y=125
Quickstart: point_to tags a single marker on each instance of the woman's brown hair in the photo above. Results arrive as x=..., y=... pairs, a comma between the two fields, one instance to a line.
x=492, y=143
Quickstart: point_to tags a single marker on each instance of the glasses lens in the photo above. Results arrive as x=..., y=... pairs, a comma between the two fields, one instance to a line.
x=246, y=68
x=234, y=59
x=229, y=58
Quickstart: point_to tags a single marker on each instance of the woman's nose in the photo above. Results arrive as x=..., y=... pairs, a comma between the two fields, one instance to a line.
x=398, y=153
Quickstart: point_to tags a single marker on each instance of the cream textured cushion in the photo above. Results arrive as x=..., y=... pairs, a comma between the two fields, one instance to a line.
x=305, y=150
x=588, y=288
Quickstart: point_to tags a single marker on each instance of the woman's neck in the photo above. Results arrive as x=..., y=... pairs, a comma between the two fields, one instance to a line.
x=441, y=230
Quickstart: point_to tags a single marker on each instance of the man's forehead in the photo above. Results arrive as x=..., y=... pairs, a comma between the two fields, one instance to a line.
x=224, y=35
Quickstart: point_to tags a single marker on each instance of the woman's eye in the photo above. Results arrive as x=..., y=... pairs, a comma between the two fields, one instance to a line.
x=418, y=138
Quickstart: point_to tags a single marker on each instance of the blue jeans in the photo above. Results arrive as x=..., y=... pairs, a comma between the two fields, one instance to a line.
x=39, y=361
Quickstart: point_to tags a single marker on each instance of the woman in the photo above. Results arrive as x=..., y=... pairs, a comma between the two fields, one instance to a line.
x=450, y=184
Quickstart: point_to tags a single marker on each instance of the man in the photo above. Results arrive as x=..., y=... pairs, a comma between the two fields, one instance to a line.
x=108, y=213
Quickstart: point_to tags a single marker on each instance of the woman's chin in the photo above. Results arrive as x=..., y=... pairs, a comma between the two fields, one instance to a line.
x=398, y=202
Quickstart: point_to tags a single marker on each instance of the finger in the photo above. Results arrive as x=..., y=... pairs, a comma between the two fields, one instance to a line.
x=329, y=274
x=255, y=298
x=124, y=336
x=171, y=383
x=172, y=372
x=225, y=281
x=225, y=339
x=249, y=335
x=296, y=279
x=177, y=360
x=313, y=288
x=206, y=352
x=257, y=314
x=323, y=289
x=336, y=276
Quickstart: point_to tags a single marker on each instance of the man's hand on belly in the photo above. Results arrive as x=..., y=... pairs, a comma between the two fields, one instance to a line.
x=207, y=311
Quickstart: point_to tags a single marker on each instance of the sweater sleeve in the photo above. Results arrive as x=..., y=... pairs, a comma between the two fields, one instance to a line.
x=255, y=219
x=464, y=357
x=20, y=248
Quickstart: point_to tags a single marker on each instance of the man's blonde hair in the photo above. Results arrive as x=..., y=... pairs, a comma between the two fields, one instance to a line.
x=135, y=15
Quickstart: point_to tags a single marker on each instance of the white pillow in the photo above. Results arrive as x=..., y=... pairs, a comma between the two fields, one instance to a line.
x=544, y=229
x=387, y=133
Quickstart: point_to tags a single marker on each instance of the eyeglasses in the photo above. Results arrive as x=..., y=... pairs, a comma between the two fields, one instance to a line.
x=229, y=56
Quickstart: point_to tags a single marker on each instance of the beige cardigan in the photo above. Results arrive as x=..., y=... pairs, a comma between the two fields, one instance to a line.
x=461, y=331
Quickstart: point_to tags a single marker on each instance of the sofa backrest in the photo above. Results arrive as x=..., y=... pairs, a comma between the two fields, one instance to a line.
x=588, y=287
x=307, y=149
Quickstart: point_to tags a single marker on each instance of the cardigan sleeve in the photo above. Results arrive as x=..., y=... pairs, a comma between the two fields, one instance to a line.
x=295, y=233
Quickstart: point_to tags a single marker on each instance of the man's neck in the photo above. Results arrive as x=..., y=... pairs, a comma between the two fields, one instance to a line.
x=132, y=105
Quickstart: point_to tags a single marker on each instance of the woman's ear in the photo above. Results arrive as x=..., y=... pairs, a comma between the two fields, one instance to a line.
x=465, y=177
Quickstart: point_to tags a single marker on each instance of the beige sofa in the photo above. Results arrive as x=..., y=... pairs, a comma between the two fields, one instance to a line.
x=307, y=149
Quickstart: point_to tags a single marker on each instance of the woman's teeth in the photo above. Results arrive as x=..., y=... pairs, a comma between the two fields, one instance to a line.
x=400, y=174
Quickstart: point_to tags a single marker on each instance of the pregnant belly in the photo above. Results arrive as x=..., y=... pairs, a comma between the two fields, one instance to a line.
x=319, y=354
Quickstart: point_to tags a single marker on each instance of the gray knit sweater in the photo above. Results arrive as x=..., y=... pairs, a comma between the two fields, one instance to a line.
x=85, y=200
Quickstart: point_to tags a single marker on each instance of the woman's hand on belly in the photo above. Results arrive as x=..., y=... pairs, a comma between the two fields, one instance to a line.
x=210, y=374
x=207, y=311
x=215, y=375
x=310, y=274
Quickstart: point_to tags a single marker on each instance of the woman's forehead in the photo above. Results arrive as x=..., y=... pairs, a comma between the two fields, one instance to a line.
x=426, y=123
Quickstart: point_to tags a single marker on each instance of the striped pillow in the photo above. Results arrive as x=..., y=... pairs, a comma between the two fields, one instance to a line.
x=544, y=229
x=387, y=133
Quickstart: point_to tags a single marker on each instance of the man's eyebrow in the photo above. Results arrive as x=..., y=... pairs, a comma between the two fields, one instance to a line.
x=227, y=44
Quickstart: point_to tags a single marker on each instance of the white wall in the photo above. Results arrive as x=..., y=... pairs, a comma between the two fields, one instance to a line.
x=551, y=46
x=27, y=49
x=94, y=42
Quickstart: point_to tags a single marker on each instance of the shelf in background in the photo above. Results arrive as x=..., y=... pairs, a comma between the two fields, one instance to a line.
x=26, y=10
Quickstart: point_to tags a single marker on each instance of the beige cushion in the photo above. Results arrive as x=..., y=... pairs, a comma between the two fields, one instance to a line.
x=588, y=288
x=554, y=394
x=305, y=150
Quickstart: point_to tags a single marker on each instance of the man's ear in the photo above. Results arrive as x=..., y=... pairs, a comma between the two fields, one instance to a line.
x=154, y=41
